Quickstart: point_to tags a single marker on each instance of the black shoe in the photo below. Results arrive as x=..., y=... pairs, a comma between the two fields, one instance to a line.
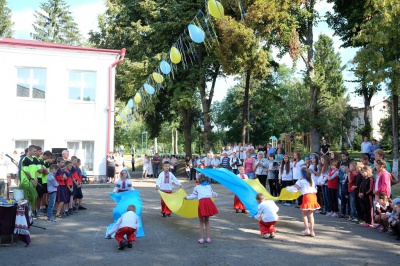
x=82, y=208
x=74, y=209
x=129, y=244
x=237, y=211
x=163, y=215
x=123, y=245
x=244, y=211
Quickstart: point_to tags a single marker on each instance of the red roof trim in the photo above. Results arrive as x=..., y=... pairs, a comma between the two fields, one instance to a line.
x=46, y=45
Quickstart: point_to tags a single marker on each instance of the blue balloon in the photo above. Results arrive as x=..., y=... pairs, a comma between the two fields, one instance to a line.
x=196, y=34
x=130, y=103
x=148, y=88
x=121, y=114
x=165, y=67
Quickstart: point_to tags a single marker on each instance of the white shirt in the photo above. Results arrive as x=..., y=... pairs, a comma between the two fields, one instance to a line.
x=166, y=186
x=215, y=162
x=128, y=219
x=201, y=192
x=366, y=147
x=234, y=160
x=314, y=176
x=119, y=185
x=297, y=169
x=303, y=186
x=244, y=176
x=267, y=210
x=286, y=176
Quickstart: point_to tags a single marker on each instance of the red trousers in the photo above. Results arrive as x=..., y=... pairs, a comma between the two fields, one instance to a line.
x=237, y=204
x=164, y=207
x=266, y=227
x=128, y=231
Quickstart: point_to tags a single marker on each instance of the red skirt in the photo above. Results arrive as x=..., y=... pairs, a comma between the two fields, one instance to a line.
x=237, y=204
x=310, y=202
x=207, y=207
x=164, y=207
x=266, y=227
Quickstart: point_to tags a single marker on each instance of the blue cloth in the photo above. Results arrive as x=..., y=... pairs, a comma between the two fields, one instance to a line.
x=240, y=188
x=124, y=199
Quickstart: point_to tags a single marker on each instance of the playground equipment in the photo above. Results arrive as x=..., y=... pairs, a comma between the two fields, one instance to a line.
x=296, y=142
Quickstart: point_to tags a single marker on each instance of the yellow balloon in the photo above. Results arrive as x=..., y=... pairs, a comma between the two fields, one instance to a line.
x=215, y=8
x=137, y=98
x=158, y=77
x=175, y=55
x=119, y=118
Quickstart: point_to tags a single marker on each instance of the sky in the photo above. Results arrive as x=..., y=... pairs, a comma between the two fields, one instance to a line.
x=85, y=13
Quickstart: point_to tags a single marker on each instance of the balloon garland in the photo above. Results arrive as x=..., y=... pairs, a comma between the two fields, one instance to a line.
x=200, y=30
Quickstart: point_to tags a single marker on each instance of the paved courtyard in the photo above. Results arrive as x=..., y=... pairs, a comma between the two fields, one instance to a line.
x=79, y=239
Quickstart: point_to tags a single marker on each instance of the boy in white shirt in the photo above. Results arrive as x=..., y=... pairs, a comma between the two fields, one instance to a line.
x=164, y=183
x=127, y=224
x=267, y=215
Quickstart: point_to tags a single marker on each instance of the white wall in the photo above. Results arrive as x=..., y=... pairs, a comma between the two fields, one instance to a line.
x=56, y=119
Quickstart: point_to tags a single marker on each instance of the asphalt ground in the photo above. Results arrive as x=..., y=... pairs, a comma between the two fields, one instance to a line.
x=79, y=239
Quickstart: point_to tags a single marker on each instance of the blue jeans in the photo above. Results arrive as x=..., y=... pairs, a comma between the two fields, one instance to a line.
x=52, y=200
x=250, y=175
x=325, y=195
x=155, y=170
x=353, y=209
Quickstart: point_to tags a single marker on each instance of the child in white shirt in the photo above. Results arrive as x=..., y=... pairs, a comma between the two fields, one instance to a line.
x=127, y=224
x=267, y=215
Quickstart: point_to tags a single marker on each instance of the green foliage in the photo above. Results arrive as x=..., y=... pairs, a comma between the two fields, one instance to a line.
x=30, y=192
x=346, y=20
x=386, y=128
x=54, y=23
x=6, y=23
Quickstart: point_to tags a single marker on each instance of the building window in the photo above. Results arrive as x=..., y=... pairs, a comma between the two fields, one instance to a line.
x=21, y=145
x=84, y=150
x=82, y=85
x=31, y=82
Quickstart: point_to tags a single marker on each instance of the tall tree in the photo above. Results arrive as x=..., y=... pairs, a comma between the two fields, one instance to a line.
x=6, y=23
x=346, y=21
x=381, y=34
x=148, y=29
x=55, y=23
x=246, y=44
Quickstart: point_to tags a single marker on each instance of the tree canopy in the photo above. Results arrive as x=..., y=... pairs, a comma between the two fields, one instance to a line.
x=55, y=23
x=6, y=23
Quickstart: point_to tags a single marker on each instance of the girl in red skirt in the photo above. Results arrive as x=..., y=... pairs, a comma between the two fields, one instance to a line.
x=307, y=187
x=237, y=204
x=204, y=193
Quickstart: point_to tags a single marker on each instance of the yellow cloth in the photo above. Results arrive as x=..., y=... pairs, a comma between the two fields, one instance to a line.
x=256, y=185
x=286, y=195
x=180, y=206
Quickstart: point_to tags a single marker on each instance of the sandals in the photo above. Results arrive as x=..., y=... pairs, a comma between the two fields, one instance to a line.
x=208, y=240
x=200, y=241
x=306, y=232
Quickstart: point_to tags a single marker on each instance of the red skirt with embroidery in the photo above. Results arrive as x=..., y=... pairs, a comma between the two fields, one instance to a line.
x=237, y=204
x=310, y=202
x=164, y=207
x=207, y=207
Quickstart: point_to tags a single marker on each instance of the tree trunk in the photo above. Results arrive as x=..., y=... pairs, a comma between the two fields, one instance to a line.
x=172, y=142
x=155, y=146
x=395, y=126
x=187, y=130
x=367, y=104
x=206, y=104
x=245, y=106
x=176, y=142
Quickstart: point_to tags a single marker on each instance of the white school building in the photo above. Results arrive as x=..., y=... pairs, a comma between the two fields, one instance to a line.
x=58, y=96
